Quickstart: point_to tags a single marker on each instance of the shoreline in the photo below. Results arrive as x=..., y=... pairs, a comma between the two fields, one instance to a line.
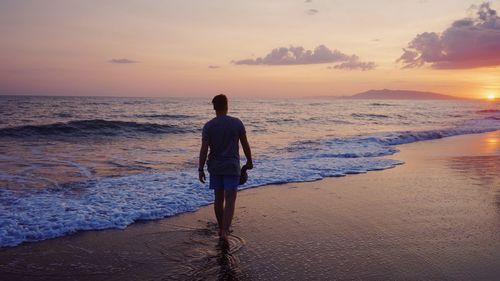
x=377, y=228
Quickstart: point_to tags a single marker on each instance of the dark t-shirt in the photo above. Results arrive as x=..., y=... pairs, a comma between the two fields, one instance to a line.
x=223, y=134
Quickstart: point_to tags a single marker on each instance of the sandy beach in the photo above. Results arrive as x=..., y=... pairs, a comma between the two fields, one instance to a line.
x=437, y=217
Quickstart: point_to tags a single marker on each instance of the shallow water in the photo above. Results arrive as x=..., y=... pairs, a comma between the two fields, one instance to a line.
x=78, y=163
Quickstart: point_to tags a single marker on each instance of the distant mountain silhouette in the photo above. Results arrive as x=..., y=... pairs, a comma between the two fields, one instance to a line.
x=386, y=94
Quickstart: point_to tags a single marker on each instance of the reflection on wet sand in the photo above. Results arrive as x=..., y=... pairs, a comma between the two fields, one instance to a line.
x=484, y=170
x=229, y=264
x=491, y=144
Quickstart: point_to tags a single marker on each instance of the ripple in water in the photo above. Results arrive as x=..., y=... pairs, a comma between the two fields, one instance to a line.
x=201, y=255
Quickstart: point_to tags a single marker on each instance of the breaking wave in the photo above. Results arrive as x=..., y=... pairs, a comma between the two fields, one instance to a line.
x=95, y=127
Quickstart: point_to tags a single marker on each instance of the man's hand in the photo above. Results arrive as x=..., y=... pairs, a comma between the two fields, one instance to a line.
x=249, y=165
x=201, y=176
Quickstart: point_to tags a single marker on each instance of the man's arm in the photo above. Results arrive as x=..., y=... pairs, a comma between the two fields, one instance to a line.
x=203, y=159
x=247, y=151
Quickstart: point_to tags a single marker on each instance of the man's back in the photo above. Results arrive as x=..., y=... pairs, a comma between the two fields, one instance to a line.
x=223, y=134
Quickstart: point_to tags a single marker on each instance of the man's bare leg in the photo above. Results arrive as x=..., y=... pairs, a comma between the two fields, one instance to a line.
x=230, y=198
x=219, y=208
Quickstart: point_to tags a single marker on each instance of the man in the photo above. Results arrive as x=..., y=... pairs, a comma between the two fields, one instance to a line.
x=223, y=134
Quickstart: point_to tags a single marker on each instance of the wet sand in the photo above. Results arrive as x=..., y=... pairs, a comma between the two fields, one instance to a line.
x=437, y=217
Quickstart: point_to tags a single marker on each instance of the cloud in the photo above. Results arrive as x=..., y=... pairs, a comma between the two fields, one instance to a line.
x=468, y=43
x=308, y=1
x=355, y=65
x=122, y=61
x=312, y=12
x=299, y=55
x=214, y=66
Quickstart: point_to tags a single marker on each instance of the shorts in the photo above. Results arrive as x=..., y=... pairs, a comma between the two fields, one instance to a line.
x=228, y=182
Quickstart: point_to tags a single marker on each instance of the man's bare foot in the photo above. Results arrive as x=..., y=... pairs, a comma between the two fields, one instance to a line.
x=228, y=232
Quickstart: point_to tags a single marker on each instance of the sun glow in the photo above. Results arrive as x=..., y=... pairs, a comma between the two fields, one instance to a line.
x=490, y=97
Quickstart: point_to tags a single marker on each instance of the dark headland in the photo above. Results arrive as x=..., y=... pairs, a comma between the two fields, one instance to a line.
x=387, y=94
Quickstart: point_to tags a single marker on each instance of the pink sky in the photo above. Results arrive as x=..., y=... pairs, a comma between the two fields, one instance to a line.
x=248, y=47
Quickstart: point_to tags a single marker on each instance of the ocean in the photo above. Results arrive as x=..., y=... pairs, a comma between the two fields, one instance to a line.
x=82, y=163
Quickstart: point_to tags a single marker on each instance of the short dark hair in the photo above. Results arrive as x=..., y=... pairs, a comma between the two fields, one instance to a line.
x=220, y=102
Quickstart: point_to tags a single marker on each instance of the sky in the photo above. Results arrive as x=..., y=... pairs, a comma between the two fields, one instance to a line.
x=248, y=48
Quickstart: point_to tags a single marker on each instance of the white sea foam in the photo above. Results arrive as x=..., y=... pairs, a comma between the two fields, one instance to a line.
x=29, y=215
x=468, y=127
